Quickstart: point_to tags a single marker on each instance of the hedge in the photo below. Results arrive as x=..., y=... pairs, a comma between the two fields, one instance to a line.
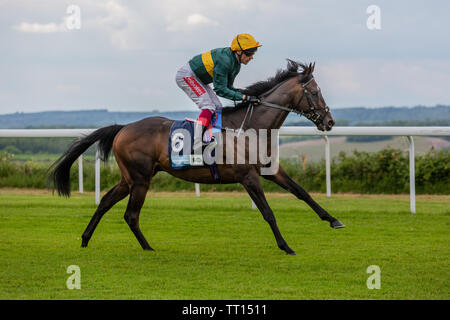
x=386, y=171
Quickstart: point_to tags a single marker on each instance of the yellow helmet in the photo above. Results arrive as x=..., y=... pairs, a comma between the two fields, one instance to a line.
x=244, y=41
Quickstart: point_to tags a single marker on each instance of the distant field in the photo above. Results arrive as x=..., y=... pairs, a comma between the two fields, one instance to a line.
x=315, y=149
x=217, y=247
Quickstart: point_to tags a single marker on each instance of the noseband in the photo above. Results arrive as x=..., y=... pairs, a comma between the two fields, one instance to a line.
x=312, y=113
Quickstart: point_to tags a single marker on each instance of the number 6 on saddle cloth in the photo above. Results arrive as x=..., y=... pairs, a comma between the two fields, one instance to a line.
x=181, y=145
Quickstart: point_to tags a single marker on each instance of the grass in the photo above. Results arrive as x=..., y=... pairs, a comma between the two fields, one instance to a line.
x=217, y=247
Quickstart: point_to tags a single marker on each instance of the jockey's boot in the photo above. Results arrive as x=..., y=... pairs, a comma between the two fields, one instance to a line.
x=206, y=136
x=204, y=119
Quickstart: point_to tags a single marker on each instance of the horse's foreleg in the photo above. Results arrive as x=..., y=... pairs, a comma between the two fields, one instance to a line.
x=135, y=203
x=252, y=184
x=283, y=180
x=113, y=196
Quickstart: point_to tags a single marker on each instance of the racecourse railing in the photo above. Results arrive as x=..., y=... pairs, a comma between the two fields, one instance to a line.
x=284, y=131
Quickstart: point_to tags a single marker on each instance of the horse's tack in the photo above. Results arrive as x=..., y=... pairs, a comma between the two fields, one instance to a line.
x=311, y=114
x=315, y=117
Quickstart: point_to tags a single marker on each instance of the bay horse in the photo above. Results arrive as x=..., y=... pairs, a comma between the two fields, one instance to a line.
x=141, y=150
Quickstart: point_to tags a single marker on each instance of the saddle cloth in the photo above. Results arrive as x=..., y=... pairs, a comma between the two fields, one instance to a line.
x=181, y=143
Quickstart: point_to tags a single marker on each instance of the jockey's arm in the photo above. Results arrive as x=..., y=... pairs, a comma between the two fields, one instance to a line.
x=222, y=87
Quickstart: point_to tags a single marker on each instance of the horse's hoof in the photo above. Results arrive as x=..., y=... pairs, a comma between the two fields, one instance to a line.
x=288, y=250
x=336, y=224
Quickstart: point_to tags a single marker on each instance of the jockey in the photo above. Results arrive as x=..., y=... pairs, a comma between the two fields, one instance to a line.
x=218, y=66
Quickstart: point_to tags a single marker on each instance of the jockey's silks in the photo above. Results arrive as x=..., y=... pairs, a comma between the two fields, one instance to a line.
x=220, y=67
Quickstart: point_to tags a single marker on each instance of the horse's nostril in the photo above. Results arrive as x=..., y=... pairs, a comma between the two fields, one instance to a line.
x=331, y=123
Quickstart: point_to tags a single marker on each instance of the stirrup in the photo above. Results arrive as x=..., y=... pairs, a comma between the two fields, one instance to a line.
x=206, y=137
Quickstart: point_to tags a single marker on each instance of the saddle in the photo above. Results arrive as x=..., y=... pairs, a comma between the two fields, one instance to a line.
x=183, y=154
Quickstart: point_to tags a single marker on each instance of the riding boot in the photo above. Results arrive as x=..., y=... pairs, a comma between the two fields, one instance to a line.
x=206, y=135
x=204, y=119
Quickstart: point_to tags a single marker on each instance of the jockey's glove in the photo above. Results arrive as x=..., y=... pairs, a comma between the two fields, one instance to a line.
x=251, y=99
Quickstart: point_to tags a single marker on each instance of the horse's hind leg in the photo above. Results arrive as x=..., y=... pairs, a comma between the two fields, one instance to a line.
x=137, y=198
x=113, y=196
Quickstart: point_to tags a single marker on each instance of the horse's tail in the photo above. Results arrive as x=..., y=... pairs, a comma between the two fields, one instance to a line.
x=60, y=169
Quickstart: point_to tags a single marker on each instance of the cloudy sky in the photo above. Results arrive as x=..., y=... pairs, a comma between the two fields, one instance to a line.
x=125, y=54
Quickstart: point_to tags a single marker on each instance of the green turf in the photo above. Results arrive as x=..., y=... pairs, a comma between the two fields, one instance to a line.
x=219, y=248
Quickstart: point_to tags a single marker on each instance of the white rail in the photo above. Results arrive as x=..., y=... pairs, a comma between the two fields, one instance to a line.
x=284, y=131
x=366, y=131
x=371, y=131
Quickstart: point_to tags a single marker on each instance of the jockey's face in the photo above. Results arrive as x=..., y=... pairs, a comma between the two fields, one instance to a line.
x=244, y=58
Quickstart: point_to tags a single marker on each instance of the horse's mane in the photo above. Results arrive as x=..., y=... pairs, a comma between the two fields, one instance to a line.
x=260, y=87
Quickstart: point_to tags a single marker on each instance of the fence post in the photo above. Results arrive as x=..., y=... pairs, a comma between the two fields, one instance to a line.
x=412, y=176
x=197, y=190
x=97, y=176
x=80, y=174
x=327, y=165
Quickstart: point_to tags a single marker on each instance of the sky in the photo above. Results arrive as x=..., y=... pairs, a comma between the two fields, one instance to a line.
x=123, y=55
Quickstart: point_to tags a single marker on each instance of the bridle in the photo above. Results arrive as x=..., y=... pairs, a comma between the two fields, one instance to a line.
x=312, y=113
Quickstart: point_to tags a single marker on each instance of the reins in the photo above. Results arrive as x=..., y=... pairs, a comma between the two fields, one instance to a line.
x=311, y=114
x=312, y=106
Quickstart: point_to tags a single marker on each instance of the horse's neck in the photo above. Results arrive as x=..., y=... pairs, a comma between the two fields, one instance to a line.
x=267, y=118
x=261, y=117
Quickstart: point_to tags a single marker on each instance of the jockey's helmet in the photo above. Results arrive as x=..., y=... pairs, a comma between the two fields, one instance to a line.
x=246, y=43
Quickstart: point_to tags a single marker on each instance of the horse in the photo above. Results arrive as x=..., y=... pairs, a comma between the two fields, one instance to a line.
x=141, y=151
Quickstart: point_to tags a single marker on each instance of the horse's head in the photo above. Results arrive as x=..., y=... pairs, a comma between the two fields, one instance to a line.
x=309, y=101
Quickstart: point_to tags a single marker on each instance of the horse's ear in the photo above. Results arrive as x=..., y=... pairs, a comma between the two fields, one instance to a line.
x=292, y=64
x=308, y=70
